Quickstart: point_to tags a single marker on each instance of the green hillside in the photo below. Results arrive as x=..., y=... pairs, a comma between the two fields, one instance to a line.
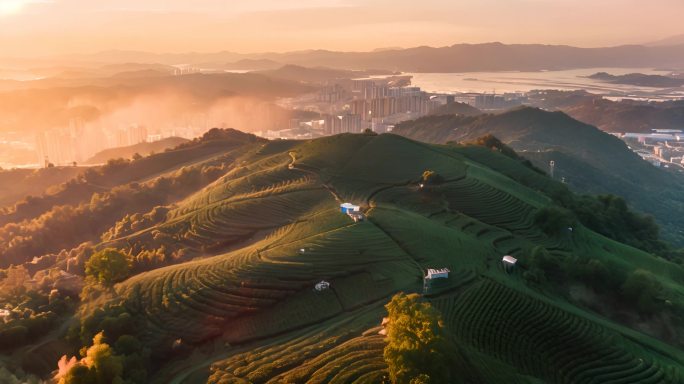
x=142, y=149
x=589, y=160
x=237, y=304
x=82, y=208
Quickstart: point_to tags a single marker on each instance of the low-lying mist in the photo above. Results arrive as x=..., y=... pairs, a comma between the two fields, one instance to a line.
x=66, y=124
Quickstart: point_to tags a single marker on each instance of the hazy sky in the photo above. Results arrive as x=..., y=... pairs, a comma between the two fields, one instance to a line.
x=38, y=27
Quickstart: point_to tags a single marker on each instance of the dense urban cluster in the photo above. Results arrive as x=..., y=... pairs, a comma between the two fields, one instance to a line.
x=377, y=104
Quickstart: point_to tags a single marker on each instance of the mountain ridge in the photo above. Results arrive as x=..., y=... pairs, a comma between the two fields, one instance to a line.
x=452, y=58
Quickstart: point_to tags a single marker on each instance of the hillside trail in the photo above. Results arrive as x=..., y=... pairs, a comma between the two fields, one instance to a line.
x=328, y=187
x=293, y=166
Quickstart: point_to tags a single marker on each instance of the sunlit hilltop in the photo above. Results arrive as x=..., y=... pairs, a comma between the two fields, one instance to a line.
x=341, y=191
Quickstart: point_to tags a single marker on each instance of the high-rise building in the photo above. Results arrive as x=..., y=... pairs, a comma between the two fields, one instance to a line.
x=136, y=134
x=350, y=123
x=331, y=125
x=347, y=123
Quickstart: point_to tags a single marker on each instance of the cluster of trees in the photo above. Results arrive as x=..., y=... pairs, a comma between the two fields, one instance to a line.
x=608, y=215
x=66, y=226
x=149, y=250
x=125, y=362
x=419, y=350
x=554, y=220
x=112, y=353
x=70, y=192
x=611, y=216
x=32, y=311
x=132, y=223
x=117, y=172
x=222, y=134
x=637, y=290
x=74, y=191
x=494, y=144
x=151, y=258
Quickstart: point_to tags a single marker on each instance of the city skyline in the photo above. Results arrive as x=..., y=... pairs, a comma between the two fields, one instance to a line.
x=57, y=27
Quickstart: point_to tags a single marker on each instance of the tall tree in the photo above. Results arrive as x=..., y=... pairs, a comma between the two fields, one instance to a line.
x=418, y=351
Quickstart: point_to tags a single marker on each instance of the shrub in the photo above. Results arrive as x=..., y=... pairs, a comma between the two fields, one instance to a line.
x=554, y=220
x=543, y=265
x=100, y=366
x=108, y=266
x=493, y=143
x=432, y=177
x=642, y=289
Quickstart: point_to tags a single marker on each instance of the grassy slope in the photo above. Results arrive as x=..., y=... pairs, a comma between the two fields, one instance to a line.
x=52, y=192
x=260, y=299
x=589, y=159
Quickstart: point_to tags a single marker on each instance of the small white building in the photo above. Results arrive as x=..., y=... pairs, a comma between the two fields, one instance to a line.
x=349, y=208
x=508, y=262
x=322, y=285
x=437, y=273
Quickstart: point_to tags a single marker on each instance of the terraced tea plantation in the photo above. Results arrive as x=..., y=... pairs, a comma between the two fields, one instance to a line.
x=271, y=229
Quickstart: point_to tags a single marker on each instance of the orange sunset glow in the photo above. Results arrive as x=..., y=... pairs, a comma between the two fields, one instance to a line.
x=35, y=27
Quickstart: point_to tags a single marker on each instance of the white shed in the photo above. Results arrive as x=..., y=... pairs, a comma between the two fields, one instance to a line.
x=437, y=273
x=509, y=262
x=349, y=208
x=322, y=286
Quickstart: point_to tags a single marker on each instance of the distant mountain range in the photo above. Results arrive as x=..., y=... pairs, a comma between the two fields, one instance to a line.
x=454, y=58
x=613, y=116
x=491, y=57
x=610, y=115
x=301, y=74
x=252, y=65
x=672, y=40
x=639, y=79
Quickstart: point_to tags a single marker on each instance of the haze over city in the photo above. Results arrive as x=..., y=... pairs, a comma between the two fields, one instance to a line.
x=42, y=27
